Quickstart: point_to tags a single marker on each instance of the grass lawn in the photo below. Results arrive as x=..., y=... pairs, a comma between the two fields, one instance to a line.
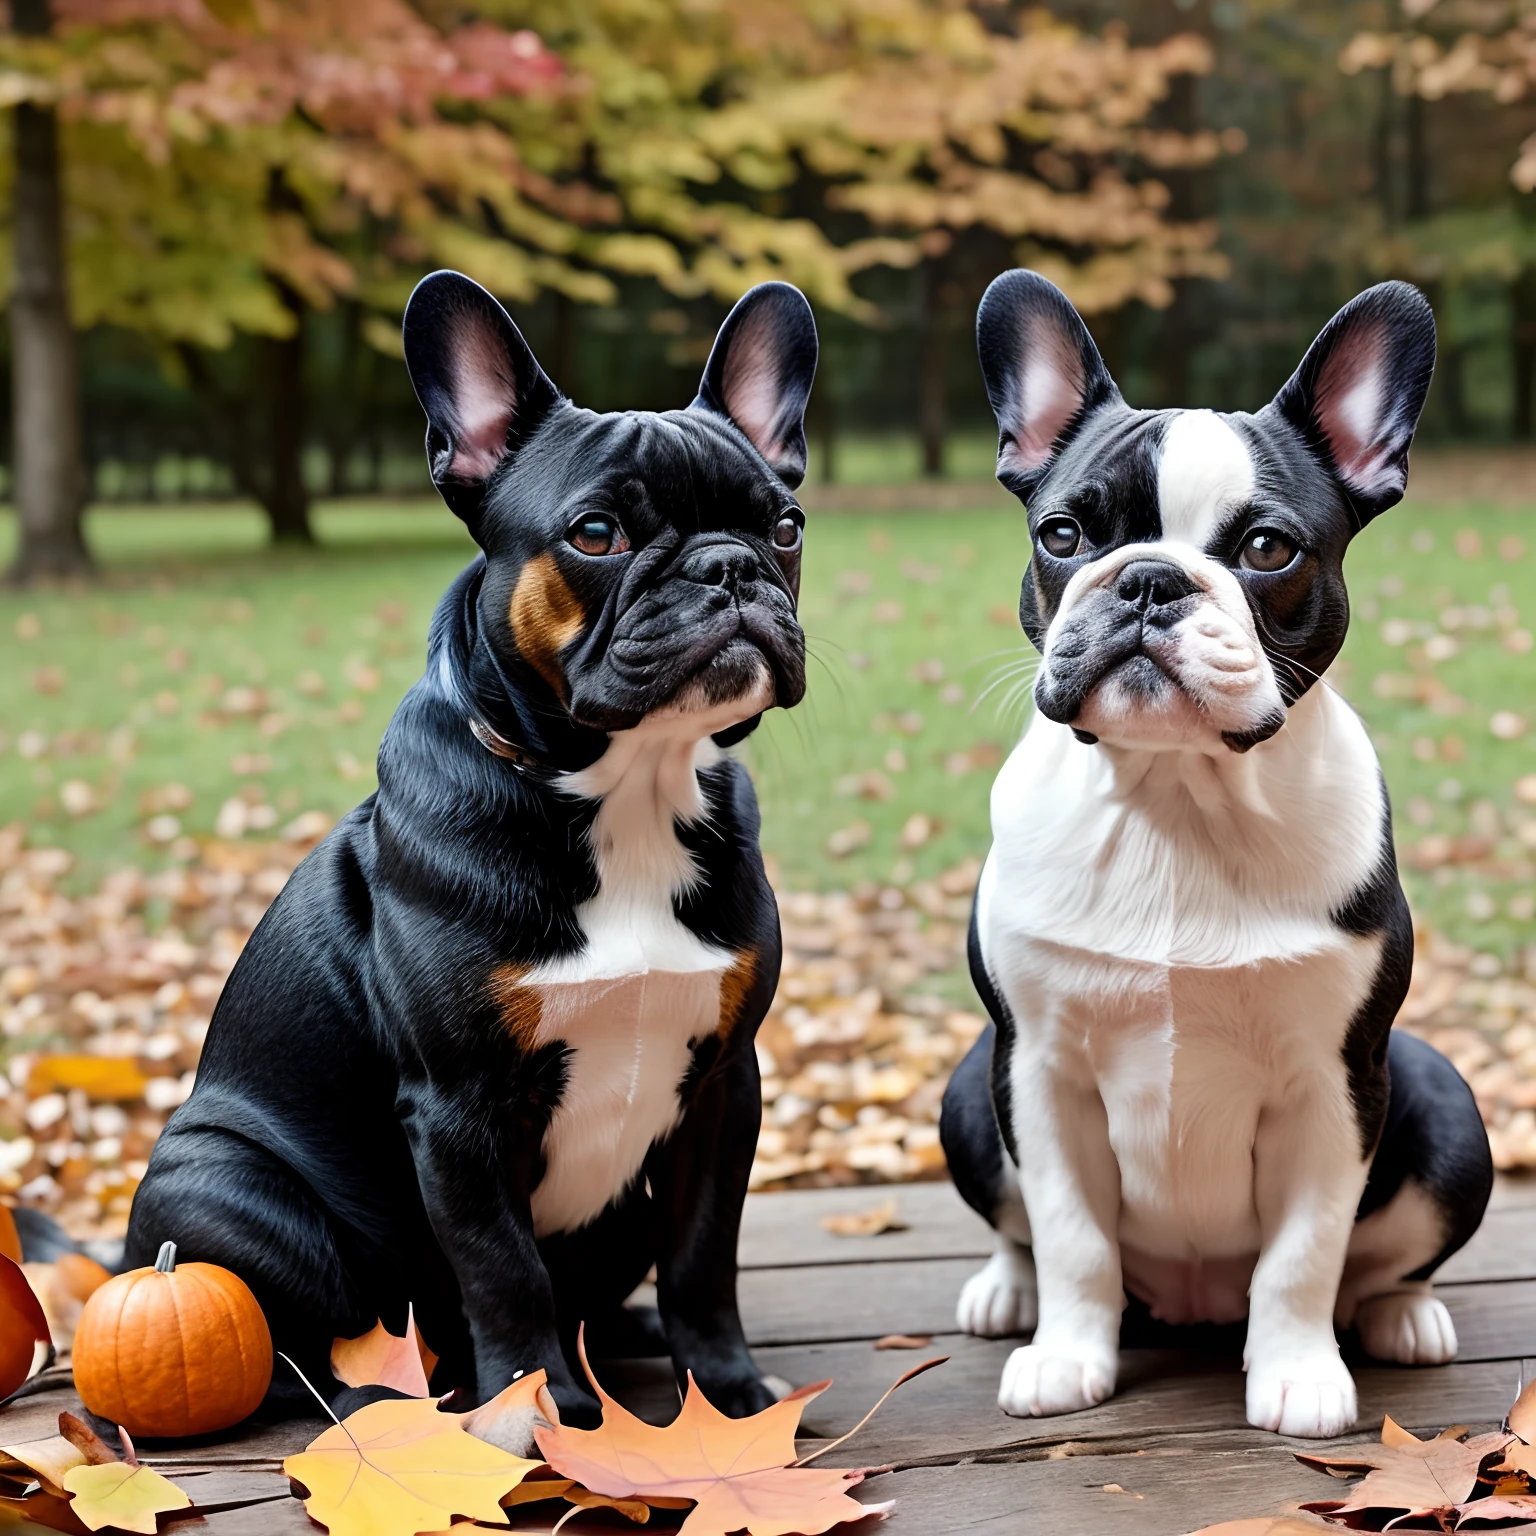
x=204, y=668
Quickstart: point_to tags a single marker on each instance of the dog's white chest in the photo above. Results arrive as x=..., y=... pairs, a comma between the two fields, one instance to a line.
x=632, y=1002
x=1181, y=964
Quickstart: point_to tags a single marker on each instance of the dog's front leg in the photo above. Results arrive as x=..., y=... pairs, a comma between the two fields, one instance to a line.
x=1071, y=1185
x=698, y=1183
x=474, y=1169
x=1309, y=1174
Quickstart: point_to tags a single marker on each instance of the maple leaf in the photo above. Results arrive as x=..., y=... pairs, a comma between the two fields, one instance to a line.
x=48, y=1460
x=123, y=1495
x=1406, y=1478
x=1521, y=1454
x=401, y=1467
x=1497, y=1508
x=738, y=1472
x=380, y=1359
x=508, y=1419
x=107, y=1491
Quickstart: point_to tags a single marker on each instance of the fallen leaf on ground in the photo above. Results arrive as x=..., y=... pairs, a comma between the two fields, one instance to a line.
x=48, y=1460
x=509, y=1418
x=123, y=1495
x=400, y=1467
x=871, y=1223
x=381, y=1359
x=1497, y=1507
x=107, y=1491
x=1406, y=1478
x=904, y=1341
x=1520, y=1456
x=738, y=1472
x=24, y=1335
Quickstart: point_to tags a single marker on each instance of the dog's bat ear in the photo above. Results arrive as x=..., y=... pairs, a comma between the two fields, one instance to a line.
x=759, y=374
x=481, y=387
x=1044, y=375
x=1357, y=395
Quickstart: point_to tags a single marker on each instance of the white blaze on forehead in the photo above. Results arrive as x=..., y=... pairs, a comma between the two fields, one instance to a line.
x=1204, y=472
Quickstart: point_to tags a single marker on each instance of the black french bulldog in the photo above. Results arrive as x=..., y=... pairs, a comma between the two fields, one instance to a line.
x=490, y=1051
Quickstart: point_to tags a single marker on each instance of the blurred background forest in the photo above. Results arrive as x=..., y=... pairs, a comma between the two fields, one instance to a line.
x=224, y=550
x=250, y=187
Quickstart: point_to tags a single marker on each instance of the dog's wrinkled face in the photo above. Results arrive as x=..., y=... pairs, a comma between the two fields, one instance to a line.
x=1186, y=580
x=635, y=562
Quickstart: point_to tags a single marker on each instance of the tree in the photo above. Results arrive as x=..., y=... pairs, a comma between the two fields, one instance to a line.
x=47, y=475
x=1444, y=50
x=236, y=166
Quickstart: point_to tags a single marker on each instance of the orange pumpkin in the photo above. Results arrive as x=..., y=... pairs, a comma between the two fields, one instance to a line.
x=78, y=1277
x=22, y=1326
x=10, y=1238
x=171, y=1351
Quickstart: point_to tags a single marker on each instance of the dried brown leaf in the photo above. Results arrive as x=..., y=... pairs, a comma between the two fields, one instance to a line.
x=1405, y=1478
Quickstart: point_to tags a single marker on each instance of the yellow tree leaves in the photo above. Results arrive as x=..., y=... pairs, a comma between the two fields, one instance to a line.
x=400, y=1467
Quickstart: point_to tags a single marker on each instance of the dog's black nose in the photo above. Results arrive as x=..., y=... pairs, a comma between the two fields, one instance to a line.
x=720, y=565
x=1149, y=584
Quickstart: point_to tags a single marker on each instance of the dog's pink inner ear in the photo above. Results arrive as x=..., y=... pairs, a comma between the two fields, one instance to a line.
x=1353, y=412
x=1049, y=393
x=749, y=389
x=484, y=400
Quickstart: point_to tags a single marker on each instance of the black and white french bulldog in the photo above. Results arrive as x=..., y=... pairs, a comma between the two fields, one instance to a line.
x=1189, y=932
x=490, y=1051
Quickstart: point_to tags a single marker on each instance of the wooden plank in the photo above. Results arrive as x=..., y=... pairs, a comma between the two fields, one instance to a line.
x=952, y=1411
x=1503, y=1248
x=1165, y=1493
x=1511, y=1191
x=851, y=1301
x=780, y=1229
x=785, y=1229
x=1495, y=1320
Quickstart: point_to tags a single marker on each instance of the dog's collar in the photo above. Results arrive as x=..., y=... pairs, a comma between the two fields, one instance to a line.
x=498, y=745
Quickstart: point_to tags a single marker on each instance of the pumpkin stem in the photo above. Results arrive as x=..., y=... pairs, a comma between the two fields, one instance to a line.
x=166, y=1262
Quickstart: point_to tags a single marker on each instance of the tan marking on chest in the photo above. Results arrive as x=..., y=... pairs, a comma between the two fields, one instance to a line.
x=735, y=986
x=520, y=1006
x=545, y=616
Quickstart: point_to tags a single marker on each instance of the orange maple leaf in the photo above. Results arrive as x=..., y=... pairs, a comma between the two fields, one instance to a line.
x=738, y=1472
x=400, y=1467
x=379, y=1359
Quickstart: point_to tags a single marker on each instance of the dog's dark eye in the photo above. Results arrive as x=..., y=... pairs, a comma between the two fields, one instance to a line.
x=1266, y=550
x=786, y=535
x=1060, y=536
x=597, y=534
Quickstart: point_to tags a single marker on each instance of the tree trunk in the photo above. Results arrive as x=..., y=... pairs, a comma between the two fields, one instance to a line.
x=933, y=370
x=1522, y=293
x=287, y=498
x=48, y=470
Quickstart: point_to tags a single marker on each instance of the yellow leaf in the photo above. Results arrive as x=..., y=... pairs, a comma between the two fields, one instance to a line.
x=121, y=1495
x=49, y=1459
x=398, y=1468
x=100, y=1077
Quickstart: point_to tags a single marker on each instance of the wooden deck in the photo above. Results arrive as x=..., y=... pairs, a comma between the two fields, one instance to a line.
x=1169, y=1453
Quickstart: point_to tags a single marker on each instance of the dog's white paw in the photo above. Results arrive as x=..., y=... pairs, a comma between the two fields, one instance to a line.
x=1410, y=1327
x=1311, y=1396
x=1040, y=1380
x=999, y=1300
